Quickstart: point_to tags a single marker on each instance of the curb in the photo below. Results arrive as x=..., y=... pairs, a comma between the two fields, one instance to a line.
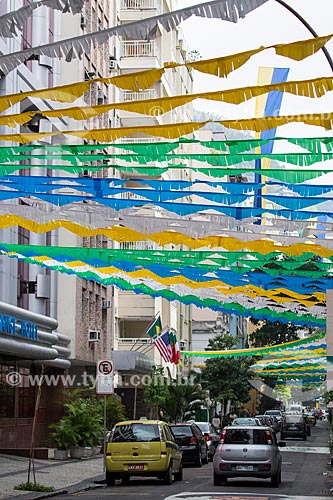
x=86, y=484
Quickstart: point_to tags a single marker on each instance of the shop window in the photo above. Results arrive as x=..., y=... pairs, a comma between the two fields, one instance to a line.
x=7, y=393
x=16, y=401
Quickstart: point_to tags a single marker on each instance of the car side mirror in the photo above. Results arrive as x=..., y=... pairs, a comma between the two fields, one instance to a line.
x=282, y=444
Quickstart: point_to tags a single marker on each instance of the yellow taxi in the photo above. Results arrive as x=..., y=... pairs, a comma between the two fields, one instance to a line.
x=310, y=418
x=142, y=448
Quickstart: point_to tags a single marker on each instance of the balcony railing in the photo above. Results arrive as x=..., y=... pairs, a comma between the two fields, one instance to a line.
x=128, y=95
x=138, y=48
x=138, y=4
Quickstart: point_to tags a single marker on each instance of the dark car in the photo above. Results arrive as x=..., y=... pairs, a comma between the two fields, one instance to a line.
x=294, y=426
x=211, y=436
x=270, y=421
x=191, y=442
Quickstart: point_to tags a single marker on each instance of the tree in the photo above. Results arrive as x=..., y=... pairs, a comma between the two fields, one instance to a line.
x=272, y=333
x=156, y=392
x=226, y=378
x=185, y=396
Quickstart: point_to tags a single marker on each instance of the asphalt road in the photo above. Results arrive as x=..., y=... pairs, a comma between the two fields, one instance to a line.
x=304, y=463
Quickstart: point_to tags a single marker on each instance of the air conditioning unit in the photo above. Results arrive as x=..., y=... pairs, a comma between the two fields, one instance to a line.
x=112, y=64
x=94, y=335
x=100, y=95
x=182, y=345
x=83, y=22
x=106, y=304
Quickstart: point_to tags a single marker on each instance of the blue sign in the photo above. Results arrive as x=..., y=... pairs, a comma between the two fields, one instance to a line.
x=11, y=325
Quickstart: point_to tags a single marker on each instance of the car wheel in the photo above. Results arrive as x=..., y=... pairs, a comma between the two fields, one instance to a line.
x=110, y=479
x=126, y=480
x=179, y=475
x=275, y=480
x=167, y=477
x=217, y=479
x=282, y=436
x=199, y=461
x=305, y=437
x=205, y=460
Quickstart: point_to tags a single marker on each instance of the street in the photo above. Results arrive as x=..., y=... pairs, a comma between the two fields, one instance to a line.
x=302, y=475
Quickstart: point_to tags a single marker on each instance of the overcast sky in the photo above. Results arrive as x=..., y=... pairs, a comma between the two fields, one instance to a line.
x=267, y=25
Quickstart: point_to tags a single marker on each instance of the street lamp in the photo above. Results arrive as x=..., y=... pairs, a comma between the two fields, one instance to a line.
x=308, y=27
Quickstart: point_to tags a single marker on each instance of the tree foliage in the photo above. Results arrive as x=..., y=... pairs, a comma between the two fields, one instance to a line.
x=226, y=378
x=272, y=333
x=185, y=396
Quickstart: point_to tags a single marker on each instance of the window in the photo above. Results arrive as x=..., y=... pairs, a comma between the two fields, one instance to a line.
x=246, y=436
x=7, y=394
x=16, y=401
x=135, y=433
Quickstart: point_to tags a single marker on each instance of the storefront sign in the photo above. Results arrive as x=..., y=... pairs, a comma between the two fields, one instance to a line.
x=14, y=326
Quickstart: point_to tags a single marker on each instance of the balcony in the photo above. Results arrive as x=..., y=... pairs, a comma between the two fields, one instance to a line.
x=144, y=95
x=139, y=55
x=134, y=10
x=135, y=307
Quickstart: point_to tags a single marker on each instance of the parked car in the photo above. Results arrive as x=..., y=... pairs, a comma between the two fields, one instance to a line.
x=191, y=442
x=245, y=421
x=142, y=448
x=277, y=414
x=269, y=420
x=294, y=426
x=248, y=451
x=310, y=418
x=211, y=436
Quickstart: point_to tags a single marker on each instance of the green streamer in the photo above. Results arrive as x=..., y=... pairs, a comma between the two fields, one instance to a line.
x=230, y=308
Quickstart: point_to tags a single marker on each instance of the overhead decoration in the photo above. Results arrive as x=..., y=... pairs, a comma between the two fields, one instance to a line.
x=142, y=80
x=73, y=48
x=313, y=88
x=12, y=22
x=167, y=194
x=256, y=351
x=239, y=305
x=40, y=216
x=176, y=130
x=153, y=150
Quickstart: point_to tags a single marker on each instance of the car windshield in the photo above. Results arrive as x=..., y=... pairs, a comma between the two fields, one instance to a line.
x=293, y=419
x=273, y=412
x=244, y=421
x=182, y=430
x=245, y=436
x=135, y=433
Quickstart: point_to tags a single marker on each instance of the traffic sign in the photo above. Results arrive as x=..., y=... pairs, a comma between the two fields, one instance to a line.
x=104, y=376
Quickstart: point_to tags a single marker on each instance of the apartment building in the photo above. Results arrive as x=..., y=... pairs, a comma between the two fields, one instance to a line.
x=105, y=322
x=29, y=337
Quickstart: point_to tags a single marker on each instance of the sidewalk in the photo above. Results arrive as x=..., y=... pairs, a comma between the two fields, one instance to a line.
x=65, y=476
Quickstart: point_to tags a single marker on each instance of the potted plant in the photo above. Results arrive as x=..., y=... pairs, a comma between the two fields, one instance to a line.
x=63, y=438
x=85, y=419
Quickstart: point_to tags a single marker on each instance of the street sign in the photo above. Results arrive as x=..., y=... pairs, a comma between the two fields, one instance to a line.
x=104, y=377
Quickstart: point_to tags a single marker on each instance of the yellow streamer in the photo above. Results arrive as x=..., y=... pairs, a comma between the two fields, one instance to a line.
x=310, y=88
x=125, y=234
x=141, y=80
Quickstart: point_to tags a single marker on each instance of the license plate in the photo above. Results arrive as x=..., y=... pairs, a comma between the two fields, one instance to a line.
x=136, y=467
x=247, y=468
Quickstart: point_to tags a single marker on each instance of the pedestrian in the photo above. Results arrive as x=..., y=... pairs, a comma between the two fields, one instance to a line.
x=216, y=423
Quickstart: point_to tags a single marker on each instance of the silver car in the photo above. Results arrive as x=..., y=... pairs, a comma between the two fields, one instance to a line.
x=248, y=451
x=212, y=438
